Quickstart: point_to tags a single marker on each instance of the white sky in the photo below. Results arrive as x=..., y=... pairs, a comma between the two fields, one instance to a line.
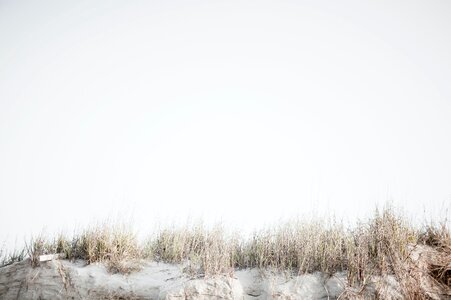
x=243, y=111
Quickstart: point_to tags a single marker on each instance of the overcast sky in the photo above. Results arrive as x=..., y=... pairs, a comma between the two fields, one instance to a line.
x=244, y=111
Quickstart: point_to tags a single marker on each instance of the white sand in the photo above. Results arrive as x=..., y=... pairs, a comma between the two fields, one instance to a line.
x=62, y=279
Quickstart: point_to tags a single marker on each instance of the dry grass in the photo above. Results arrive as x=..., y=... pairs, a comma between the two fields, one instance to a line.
x=206, y=251
x=8, y=258
x=386, y=244
x=114, y=245
x=298, y=246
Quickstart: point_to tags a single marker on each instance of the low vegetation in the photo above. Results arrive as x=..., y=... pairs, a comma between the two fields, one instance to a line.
x=386, y=244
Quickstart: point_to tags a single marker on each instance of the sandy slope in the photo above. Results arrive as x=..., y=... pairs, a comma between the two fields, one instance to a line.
x=62, y=279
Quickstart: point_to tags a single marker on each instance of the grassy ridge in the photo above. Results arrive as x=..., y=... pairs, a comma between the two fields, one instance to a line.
x=379, y=246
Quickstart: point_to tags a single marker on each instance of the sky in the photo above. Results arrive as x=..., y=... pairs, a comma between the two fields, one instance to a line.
x=236, y=111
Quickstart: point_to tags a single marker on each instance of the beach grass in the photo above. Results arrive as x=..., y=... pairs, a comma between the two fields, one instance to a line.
x=381, y=245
